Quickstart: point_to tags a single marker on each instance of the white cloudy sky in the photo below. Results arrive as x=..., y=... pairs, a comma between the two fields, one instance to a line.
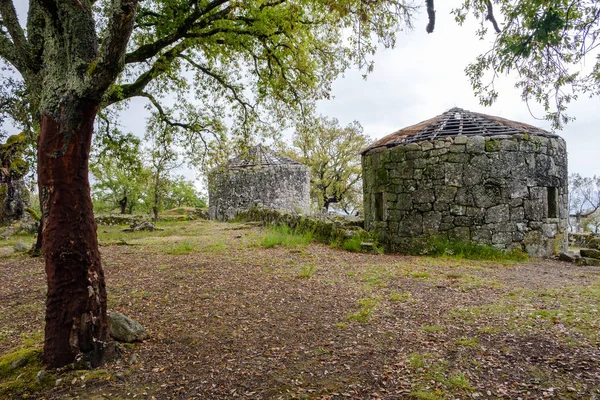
x=424, y=76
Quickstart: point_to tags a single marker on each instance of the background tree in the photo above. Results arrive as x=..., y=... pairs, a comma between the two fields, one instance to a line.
x=183, y=193
x=117, y=167
x=584, y=199
x=162, y=159
x=332, y=154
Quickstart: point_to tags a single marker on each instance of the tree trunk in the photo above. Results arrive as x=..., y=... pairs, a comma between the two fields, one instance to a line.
x=76, y=320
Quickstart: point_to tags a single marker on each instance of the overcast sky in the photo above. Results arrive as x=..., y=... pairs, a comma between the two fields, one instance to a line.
x=423, y=77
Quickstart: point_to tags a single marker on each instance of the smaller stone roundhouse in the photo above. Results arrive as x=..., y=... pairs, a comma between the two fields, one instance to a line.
x=258, y=178
x=470, y=177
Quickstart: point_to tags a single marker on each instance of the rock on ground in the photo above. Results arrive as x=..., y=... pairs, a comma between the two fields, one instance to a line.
x=125, y=329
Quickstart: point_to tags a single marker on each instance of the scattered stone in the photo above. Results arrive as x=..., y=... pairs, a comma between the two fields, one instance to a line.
x=18, y=363
x=120, y=376
x=134, y=359
x=367, y=247
x=20, y=247
x=591, y=253
x=142, y=226
x=41, y=376
x=593, y=262
x=58, y=382
x=568, y=257
x=125, y=329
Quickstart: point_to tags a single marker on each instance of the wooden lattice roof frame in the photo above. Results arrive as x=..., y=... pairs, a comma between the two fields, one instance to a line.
x=457, y=122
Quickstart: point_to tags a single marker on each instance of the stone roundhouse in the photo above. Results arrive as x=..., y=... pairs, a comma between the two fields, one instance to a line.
x=258, y=178
x=469, y=177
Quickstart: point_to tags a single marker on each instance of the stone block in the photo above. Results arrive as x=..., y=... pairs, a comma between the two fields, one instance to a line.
x=431, y=222
x=445, y=194
x=482, y=235
x=475, y=144
x=534, y=210
x=457, y=148
x=499, y=213
x=461, y=139
x=412, y=147
x=549, y=230
x=411, y=225
x=517, y=213
x=509, y=145
x=464, y=197
x=462, y=158
x=455, y=209
x=425, y=146
x=502, y=238
x=486, y=196
x=463, y=220
x=460, y=233
x=453, y=174
x=411, y=155
x=423, y=207
x=404, y=202
x=591, y=253
x=423, y=196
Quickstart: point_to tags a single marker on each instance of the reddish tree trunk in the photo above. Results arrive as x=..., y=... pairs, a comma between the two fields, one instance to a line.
x=76, y=321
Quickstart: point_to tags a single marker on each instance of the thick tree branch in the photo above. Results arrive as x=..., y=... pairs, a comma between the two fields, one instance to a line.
x=431, y=16
x=11, y=22
x=490, y=16
x=147, y=51
x=8, y=52
x=15, y=48
x=112, y=53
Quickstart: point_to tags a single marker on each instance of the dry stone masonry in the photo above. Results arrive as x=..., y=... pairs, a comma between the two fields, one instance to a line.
x=468, y=177
x=259, y=178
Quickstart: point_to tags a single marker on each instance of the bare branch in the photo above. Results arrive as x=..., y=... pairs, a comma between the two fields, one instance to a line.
x=490, y=16
x=161, y=112
x=431, y=16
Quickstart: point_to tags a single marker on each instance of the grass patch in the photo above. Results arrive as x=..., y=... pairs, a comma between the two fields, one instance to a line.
x=399, y=297
x=459, y=381
x=306, y=271
x=471, y=251
x=467, y=342
x=419, y=275
x=367, y=306
x=283, y=235
x=181, y=248
x=432, y=328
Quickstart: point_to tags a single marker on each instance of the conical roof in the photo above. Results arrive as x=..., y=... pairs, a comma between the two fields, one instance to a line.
x=257, y=156
x=456, y=122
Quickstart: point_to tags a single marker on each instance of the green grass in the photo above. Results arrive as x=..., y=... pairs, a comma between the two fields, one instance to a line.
x=306, y=271
x=181, y=248
x=399, y=297
x=467, y=341
x=367, y=306
x=432, y=328
x=282, y=235
x=471, y=251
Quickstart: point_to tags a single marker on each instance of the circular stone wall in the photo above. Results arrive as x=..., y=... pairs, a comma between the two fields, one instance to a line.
x=280, y=187
x=509, y=191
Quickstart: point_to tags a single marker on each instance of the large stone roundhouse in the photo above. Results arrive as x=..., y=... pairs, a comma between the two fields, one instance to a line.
x=258, y=178
x=469, y=177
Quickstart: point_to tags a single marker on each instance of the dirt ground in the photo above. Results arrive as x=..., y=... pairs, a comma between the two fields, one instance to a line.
x=229, y=318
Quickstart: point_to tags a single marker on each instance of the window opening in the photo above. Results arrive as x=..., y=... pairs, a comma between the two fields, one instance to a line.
x=379, y=207
x=552, y=202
